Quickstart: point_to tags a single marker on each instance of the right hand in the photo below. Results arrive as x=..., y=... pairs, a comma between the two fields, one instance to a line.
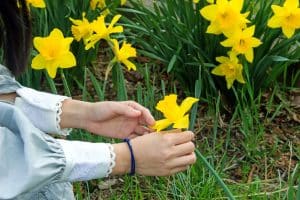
x=158, y=154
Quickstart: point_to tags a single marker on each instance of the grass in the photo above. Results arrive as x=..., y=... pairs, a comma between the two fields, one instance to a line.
x=246, y=150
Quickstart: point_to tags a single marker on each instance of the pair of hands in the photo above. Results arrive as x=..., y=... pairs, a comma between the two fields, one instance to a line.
x=155, y=154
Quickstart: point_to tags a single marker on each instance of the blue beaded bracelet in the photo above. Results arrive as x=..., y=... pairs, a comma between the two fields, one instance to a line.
x=132, y=168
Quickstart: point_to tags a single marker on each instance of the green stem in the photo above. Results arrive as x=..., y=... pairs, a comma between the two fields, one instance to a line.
x=219, y=179
x=109, y=68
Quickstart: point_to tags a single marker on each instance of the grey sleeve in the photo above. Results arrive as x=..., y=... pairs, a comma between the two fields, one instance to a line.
x=29, y=158
x=8, y=84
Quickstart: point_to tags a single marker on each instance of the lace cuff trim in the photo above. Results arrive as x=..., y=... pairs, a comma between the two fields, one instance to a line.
x=112, y=160
x=58, y=108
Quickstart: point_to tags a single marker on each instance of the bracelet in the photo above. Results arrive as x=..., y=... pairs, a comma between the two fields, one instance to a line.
x=132, y=168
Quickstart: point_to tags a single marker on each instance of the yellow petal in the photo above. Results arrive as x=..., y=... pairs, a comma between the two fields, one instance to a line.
x=114, y=20
x=222, y=59
x=227, y=43
x=255, y=42
x=117, y=29
x=169, y=101
x=230, y=82
x=288, y=31
x=291, y=3
x=161, y=124
x=237, y=4
x=213, y=29
x=278, y=11
x=218, y=71
x=249, y=31
x=67, y=61
x=249, y=55
x=209, y=12
x=51, y=71
x=240, y=78
x=182, y=123
x=56, y=33
x=187, y=104
x=38, y=62
x=39, y=43
x=129, y=65
x=123, y=2
x=275, y=22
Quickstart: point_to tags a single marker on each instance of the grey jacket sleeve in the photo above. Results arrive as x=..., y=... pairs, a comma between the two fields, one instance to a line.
x=8, y=84
x=29, y=159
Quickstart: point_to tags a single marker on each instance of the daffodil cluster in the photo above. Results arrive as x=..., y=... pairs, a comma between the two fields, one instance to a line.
x=92, y=32
x=226, y=18
x=54, y=49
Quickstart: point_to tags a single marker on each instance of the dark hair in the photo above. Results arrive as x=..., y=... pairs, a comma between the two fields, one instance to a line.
x=15, y=34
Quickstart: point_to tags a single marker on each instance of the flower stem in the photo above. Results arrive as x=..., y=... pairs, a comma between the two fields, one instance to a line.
x=219, y=179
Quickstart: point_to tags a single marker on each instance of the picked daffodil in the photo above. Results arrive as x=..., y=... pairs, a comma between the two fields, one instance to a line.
x=173, y=113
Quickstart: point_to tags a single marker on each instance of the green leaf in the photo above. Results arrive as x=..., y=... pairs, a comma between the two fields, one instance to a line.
x=171, y=63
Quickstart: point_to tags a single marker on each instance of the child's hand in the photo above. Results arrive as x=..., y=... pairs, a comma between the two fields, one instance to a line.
x=157, y=154
x=118, y=119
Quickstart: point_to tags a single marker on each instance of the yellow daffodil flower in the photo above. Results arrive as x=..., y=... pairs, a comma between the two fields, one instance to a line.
x=286, y=17
x=173, y=113
x=123, y=2
x=101, y=31
x=99, y=4
x=230, y=68
x=81, y=29
x=122, y=55
x=54, y=52
x=243, y=42
x=225, y=16
x=36, y=3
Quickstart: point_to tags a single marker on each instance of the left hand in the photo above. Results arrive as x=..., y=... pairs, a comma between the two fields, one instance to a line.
x=118, y=119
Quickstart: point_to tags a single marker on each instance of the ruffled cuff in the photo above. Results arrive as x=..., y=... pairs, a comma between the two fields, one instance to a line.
x=87, y=161
x=43, y=109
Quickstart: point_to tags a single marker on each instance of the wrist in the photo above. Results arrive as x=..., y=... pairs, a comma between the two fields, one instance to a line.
x=74, y=114
x=123, y=160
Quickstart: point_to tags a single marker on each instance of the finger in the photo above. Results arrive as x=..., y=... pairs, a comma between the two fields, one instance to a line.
x=124, y=109
x=133, y=135
x=179, y=169
x=183, y=160
x=141, y=130
x=146, y=117
x=184, y=149
x=180, y=138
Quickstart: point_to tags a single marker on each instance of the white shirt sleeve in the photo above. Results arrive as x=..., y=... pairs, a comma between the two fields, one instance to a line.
x=43, y=109
x=86, y=161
